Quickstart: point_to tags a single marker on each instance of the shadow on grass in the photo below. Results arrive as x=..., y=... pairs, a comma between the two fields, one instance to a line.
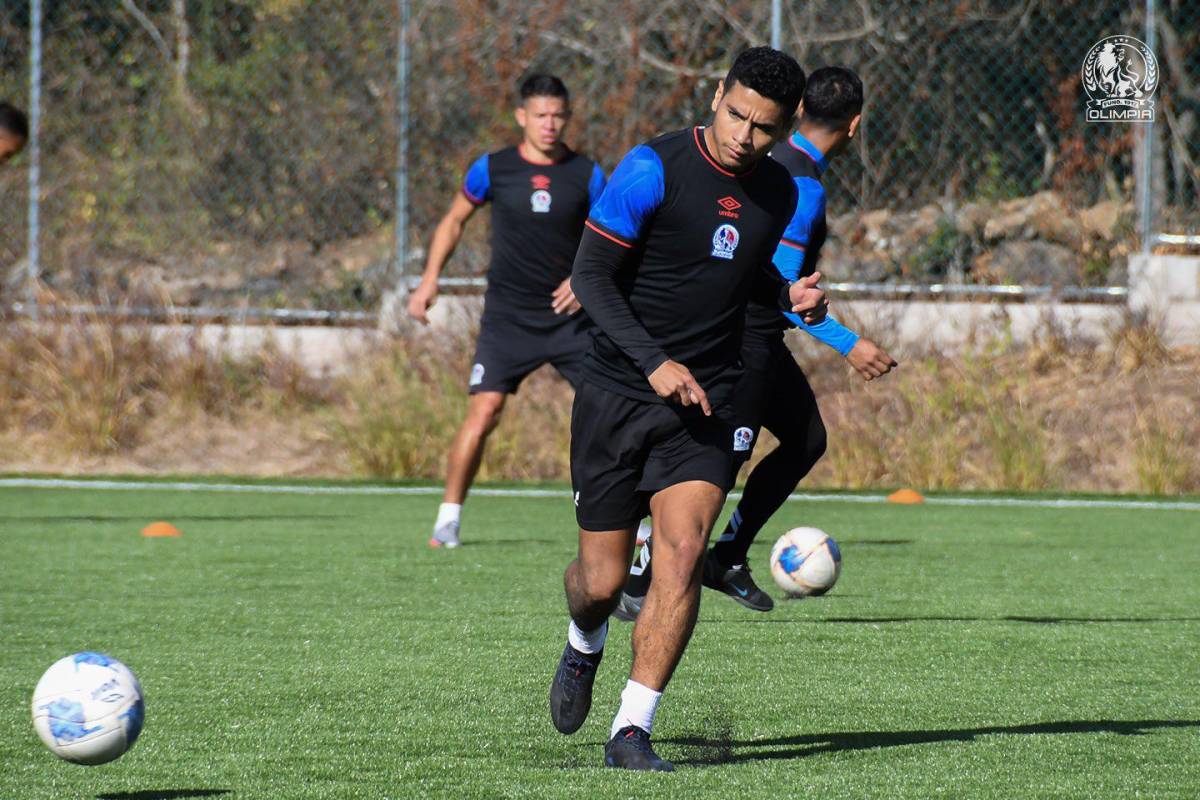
x=877, y=542
x=722, y=749
x=162, y=794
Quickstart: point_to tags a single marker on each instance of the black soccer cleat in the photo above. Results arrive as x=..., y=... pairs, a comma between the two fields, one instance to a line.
x=571, y=691
x=735, y=582
x=630, y=749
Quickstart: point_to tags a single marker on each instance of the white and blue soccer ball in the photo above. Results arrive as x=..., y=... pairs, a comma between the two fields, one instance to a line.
x=806, y=561
x=88, y=708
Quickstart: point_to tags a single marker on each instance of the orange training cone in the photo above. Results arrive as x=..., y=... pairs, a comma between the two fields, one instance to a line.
x=160, y=529
x=905, y=497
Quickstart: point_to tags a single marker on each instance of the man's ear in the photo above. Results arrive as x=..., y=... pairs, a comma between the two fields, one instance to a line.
x=852, y=131
x=718, y=94
x=520, y=115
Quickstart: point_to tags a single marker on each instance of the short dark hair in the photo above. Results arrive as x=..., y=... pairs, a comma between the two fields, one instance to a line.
x=771, y=73
x=542, y=85
x=834, y=96
x=13, y=119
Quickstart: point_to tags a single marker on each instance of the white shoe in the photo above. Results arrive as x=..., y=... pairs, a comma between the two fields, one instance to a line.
x=445, y=536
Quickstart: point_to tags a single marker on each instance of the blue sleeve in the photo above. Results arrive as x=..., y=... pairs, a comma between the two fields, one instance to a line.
x=633, y=194
x=828, y=331
x=793, y=247
x=596, y=185
x=793, y=254
x=477, y=186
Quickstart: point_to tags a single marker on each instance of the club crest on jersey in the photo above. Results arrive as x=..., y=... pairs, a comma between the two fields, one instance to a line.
x=476, y=375
x=742, y=438
x=540, y=201
x=725, y=241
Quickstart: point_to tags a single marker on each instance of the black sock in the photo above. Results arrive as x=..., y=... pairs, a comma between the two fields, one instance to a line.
x=769, y=484
x=638, y=582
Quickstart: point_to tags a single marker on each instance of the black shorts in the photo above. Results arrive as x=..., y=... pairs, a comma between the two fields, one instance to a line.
x=511, y=346
x=624, y=450
x=773, y=394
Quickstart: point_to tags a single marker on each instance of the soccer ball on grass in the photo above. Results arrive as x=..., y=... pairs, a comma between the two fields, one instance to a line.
x=805, y=561
x=88, y=708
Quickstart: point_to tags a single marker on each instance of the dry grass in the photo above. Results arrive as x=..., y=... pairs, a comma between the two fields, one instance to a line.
x=85, y=395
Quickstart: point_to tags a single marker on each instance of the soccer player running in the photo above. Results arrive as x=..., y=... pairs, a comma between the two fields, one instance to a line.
x=673, y=248
x=773, y=392
x=540, y=192
x=14, y=131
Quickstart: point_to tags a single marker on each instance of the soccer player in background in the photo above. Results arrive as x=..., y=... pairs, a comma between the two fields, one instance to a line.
x=773, y=392
x=540, y=193
x=673, y=248
x=14, y=131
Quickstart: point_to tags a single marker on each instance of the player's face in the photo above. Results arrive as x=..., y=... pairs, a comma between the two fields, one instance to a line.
x=543, y=120
x=10, y=145
x=745, y=126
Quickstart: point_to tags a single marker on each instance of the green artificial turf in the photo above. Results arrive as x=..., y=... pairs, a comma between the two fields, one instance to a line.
x=315, y=647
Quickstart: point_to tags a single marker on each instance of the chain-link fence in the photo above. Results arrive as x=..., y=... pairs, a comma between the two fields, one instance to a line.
x=234, y=152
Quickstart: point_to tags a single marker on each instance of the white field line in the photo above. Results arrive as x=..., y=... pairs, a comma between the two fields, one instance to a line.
x=250, y=488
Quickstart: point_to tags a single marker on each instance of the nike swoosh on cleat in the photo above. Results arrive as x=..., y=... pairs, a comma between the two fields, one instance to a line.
x=741, y=592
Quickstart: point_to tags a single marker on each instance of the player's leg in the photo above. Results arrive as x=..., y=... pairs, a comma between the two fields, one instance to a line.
x=683, y=518
x=747, y=403
x=792, y=415
x=605, y=470
x=462, y=463
x=593, y=586
x=502, y=360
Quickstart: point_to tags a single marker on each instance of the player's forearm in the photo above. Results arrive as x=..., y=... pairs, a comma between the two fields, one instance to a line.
x=828, y=331
x=445, y=239
x=594, y=281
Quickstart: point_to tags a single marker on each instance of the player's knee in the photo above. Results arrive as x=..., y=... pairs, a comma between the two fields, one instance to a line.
x=680, y=557
x=484, y=416
x=818, y=441
x=603, y=585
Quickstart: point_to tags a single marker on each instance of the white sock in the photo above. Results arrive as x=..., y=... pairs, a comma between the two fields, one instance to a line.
x=587, y=641
x=638, y=705
x=448, y=512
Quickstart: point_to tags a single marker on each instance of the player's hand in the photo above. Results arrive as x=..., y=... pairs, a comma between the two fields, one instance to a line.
x=871, y=360
x=563, y=300
x=673, y=381
x=808, y=299
x=420, y=301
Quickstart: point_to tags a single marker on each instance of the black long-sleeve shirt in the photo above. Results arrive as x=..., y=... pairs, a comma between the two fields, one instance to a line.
x=670, y=254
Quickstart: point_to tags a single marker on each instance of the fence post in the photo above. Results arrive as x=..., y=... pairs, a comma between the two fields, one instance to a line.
x=1146, y=171
x=402, y=151
x=776, y=23
x=33, y=256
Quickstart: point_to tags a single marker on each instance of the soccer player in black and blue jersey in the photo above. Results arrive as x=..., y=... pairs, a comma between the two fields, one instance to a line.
x=675, y=246
x=773, y=392
x=540, y=192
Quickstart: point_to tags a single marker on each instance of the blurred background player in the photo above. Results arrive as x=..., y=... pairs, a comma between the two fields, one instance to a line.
x=672, y=250
x=773, y=392
x=14, y=131
x=540, y=193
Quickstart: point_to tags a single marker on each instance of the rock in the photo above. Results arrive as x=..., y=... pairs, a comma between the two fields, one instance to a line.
x=1042, y=216
x=1029, y=263
x=1101, y=220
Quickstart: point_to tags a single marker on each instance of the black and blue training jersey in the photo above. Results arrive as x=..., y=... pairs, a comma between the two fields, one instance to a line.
x=671, y=252
x=798, y=253
x=538, y=211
